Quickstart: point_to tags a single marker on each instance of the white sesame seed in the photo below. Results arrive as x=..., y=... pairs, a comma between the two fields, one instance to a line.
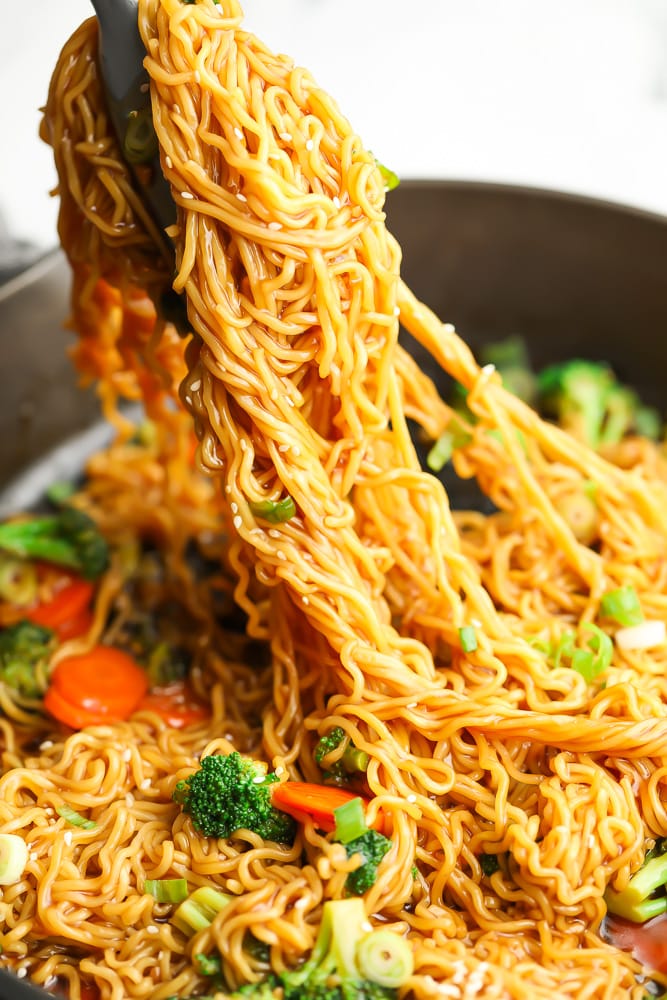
x=283, y=447
x=187, y=195
x=281, y=555
x=296, y=451
x=152, y=929
x=21, y=973
x=336, y=201
x=305, y=599
x=412, y=704
x=411, y=798
x=488, y=369
x=34, y=855
x=238, y=133
x=241, y=197
x=49, y=811
x=67, y=837
x=290, y=402
x=46, y=745
x=275, y=225
x=235, y=507
x=274, y=533
x=146, y=783
x=127, y=755
x=197, y=77
x=397, y=311
x=310, y=145
x=168, y=160
x=238, y=522
x=228, y=488
x=286, y=136
x=196, y=385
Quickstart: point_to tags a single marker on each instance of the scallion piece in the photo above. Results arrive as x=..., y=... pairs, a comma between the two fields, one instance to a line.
x=468, y=638
x=596, y=658
x=391, y=180
x=385, y=958
x=167, y=890
x=75, y=818
x=440, y=453
x=350, y=821
x=622, y=605
x=275, y=511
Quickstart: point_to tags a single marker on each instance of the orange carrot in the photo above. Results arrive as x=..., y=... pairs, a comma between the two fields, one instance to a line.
x=304, y=800
x=174, y=703
x=67, y=612
x=103, y=685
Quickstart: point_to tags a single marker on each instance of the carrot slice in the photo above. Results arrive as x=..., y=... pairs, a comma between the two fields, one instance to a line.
x=175, y=704
x=65, y=608
x=103, y=685
x=306, y=800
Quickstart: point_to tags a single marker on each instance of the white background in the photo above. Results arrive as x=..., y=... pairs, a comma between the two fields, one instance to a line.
x=569, y=94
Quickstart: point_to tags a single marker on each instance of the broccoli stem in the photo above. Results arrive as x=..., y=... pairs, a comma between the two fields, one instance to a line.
x=69, y=538
x=636, y=902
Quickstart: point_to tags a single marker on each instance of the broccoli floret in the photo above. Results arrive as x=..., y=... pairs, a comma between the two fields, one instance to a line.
x=510, y=357
x=587, y=400
x=489, y=863
x=229, y=793
x=645, y=895
x=69, y=538
x=372, y=846
x=345, y=757
x=25, y=651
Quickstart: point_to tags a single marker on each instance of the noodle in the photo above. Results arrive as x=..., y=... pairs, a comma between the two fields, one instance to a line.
x=299, y=387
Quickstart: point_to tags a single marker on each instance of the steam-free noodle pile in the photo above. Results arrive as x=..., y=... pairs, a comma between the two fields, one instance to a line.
x=298, y=387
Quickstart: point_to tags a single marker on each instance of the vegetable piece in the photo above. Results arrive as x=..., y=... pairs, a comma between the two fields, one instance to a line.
x=590, y=661
x=167, y=890
x=274, y=511
x=333, y=971
x=140, y=143
x=103, y=685
x=166, y=664
x=199, y=910
x=175, y=704
x=13, y=858
x=468, y=638
x=67, y=612
x=208, y=965
x=640, y=901
x=59, y=493
x=576, y=394
x=25, y=652
x=18, y=581
x=391, y=180
x=581, y=515
x=510, y=358
x=75, y=818
x=69, y=538
x=338, y=757
x=622, y=606
x=304, y=800
x=385, y=958
x=350, y=821
x=489, y=864
x=371, y=847
x=456, y=435
x=646, y=635
x=229, y=793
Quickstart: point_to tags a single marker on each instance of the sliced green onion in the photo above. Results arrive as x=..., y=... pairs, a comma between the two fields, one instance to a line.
x=167, y=890
x=13, y=858
x=441, y=452
x=391, y=180
x=597, y=658
x=75, y=818
x=60, y=493
x=622, y=605
x=468, y=638
x=140, y=144
x=275, y=511
x=199, y=910
x=385, y=958
x=647, y=422
x=350, y=820
x=18, y=581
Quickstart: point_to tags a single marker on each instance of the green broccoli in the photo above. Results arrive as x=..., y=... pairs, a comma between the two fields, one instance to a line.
x=338, y=757
x=645, y=895
x=25, y=651
x=586, y=399
x=372, y=847
x=349, y=962
x=229, y=793
x=69, y=538
x=489, y=863
x=510, y=358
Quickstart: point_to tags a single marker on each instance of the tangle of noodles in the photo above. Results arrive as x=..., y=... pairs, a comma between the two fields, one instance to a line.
x=298, y=386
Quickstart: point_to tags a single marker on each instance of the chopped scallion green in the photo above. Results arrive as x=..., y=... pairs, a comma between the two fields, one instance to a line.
x=75, y=818
x=391, y=180
x=468, y=638
x=275, y=511
x=622, y=605
x=350, y=821
x=167, y=890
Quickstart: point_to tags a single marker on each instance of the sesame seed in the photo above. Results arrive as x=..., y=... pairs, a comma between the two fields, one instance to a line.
x=196, y=385
x=238, y=522
x=241, y=197
x=152, y=929
x=281, y=555
x=67, y=837
x=127, y=755
x=336, y=201
x=176, y=109
x=228, y=488
x=235, y=507
x=34, y=855
x=286, y=136
x=21, y=973
x=238, y=133
x=310, y=145
x=273, y=533
x=168, y=160
x=290, y=402
x=283, y=447
x=197, y=77
x=411, y=798
x=46, y=745
x=146, y=783
x=129, y=800
x=412, y=704
x=397, y=311
x=305, y=599
x=296, y=451
x=488, y=369
x=275, y=225
x=188, y=195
